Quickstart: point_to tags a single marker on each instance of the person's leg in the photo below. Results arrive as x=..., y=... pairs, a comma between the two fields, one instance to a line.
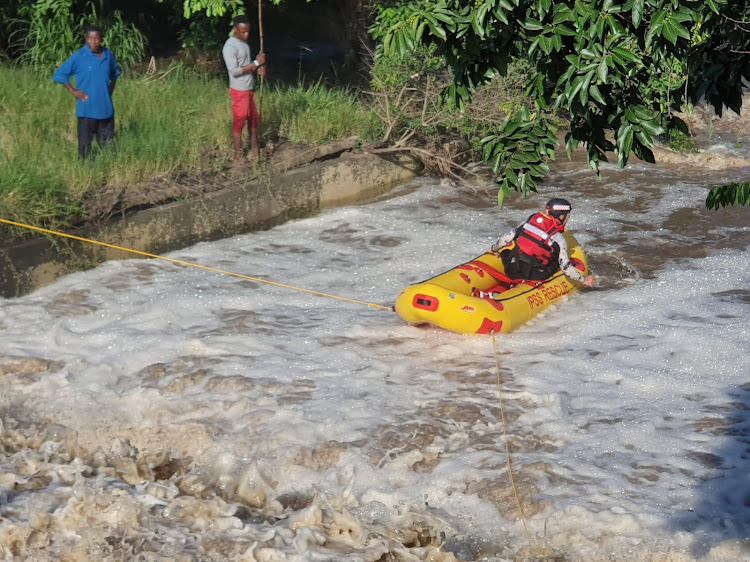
x=547, y=271
x=537, y=274
x=254, y=146
x=237, y=142
x=541, y=272
x=519, y=265
x=254, y=121
x=105, y=131
x=239, y=118
x=511, y=263
x=86, y=128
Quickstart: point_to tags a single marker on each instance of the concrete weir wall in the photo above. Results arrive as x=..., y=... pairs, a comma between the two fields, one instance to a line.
x=31, y=263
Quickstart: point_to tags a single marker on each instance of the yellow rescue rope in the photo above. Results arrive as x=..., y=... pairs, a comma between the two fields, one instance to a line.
x=225, y=272
x=182, y=262
x=505, y=432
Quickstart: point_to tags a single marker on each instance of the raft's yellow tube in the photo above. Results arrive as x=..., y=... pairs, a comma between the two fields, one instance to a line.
x=446, y=301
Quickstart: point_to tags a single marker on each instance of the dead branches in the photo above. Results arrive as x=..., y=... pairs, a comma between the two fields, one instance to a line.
x=411, y=113
x=405, y=95
x=433, y=162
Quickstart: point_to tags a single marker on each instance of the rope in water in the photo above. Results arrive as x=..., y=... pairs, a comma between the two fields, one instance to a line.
x=374, y=305
x=505, y=432
x=190, y=264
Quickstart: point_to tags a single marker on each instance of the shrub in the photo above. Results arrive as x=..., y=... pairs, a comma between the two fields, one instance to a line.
x=49, y=31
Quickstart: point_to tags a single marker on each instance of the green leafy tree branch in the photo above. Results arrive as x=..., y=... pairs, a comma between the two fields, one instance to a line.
x=215, y=8
x=618, y=70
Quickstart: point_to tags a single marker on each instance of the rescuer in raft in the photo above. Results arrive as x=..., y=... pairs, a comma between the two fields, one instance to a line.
x=538, y=248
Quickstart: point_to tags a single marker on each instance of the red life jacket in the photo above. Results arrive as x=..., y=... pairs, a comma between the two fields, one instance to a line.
x=534, y=235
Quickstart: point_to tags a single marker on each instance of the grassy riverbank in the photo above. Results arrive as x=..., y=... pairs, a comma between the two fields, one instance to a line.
x=165, y=126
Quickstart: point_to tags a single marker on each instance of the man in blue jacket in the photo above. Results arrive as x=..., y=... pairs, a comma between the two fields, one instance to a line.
x=95, y=71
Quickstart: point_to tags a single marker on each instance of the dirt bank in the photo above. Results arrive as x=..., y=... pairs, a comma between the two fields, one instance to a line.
x=294, y=181
x=172, y=214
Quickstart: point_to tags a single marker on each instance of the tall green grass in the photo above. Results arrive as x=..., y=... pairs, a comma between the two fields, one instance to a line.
x=164, y=127
x=317, y=114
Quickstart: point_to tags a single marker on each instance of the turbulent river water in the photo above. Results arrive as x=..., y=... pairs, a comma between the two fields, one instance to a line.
x=152, y=411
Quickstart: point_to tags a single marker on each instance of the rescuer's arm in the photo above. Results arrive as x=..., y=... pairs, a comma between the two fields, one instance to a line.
x=505, y=239
x=566, y=266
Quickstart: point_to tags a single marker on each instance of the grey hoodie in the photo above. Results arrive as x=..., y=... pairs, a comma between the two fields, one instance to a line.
x=236, y=54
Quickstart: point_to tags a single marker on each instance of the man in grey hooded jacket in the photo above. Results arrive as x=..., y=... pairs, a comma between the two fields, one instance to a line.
x=242, y=69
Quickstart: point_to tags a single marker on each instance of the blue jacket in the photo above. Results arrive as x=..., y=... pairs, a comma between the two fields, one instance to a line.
x=93, y=75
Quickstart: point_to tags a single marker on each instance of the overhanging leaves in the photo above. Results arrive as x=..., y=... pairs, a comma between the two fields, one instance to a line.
x=732, y=194
x=619, y=65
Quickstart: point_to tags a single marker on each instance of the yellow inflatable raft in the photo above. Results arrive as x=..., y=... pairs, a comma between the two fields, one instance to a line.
x=446, y=300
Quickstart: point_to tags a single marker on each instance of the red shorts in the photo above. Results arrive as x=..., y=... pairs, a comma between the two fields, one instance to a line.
x=243, y=110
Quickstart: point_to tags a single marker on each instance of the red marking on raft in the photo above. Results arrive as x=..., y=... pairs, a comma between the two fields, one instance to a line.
x=488, y=326
x=425, y=302
x=473, y=266
x=498, y=305
x=499, y=275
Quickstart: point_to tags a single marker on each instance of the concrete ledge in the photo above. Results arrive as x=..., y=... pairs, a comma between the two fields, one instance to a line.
x=31, y=263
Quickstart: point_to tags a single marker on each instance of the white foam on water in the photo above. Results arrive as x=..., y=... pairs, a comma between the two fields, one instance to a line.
x=152, y=409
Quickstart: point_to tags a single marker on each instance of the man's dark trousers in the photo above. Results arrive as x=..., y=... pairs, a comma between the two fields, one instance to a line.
x=88, y=128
